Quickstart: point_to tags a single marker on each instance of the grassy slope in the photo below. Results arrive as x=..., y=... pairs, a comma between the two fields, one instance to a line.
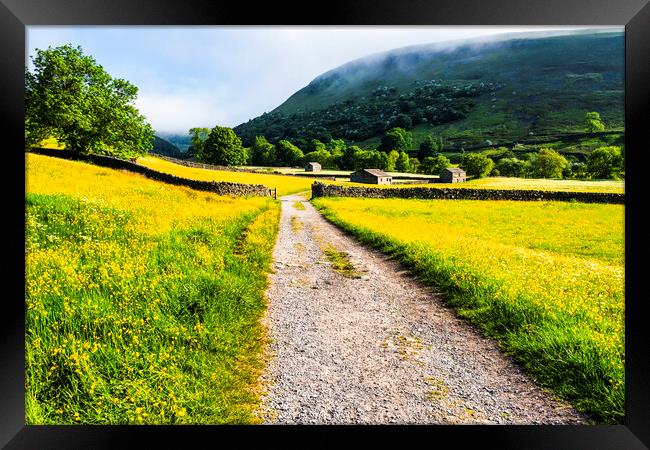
x=545, y=279
x=285, y=185
x=143, y=300
x=538, y=95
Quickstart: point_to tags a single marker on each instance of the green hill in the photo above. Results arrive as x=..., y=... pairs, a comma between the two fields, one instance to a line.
x=164, y=147
x=474, y=93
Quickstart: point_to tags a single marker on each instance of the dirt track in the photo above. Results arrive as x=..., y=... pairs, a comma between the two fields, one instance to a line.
x=379, y=348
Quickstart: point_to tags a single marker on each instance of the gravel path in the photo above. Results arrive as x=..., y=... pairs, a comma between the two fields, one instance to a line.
x=378, y=348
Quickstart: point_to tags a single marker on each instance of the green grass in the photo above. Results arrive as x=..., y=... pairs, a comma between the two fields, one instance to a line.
x=546, y=279
x=340, y=262
x=143, y=300
x=299, y=205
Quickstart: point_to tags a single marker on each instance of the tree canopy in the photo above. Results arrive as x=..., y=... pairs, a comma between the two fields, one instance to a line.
x=476, y=164
x=593, y=122
x=605, y=162
x=288, y=154
x=223, y=147
x=72, y=98
x=548, y=164
x=198, y=136
x=396, y=139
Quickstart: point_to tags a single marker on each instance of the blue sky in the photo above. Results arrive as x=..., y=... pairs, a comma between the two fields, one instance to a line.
x=206, y=76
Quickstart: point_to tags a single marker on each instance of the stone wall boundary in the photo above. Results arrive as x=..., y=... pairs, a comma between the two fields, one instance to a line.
x=217, y=187
x=334, y=190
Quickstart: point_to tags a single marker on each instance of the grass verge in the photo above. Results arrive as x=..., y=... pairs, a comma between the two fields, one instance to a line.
x=143, y=300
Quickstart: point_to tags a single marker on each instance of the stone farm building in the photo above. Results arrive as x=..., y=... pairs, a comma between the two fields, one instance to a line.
x=371, y=176
x=453, y=175
x=312, y=167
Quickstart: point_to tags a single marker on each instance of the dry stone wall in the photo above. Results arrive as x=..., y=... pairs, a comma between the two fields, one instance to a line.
x=218, y=187
x=333, y=190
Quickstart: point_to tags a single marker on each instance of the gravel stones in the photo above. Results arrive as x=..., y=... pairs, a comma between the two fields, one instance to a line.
x=380, y=348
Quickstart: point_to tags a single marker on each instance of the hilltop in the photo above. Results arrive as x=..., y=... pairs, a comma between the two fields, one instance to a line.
x=513, y=88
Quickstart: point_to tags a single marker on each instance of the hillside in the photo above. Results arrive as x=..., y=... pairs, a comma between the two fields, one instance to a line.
x=473, y=92
x=164, y=147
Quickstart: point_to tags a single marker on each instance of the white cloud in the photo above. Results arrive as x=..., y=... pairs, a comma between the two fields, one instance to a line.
x=203, y=76
x=178, y=112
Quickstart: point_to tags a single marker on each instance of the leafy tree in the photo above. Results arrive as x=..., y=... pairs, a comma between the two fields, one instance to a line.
x=315, y=145
x=198, y=136
x=288, y=154
x=262, y=152
x=476, y=164
x=347, y=160
x=414, y=165
x=403, y=121
x=72, y=98
x=429, y=147
x=393, y=156
x=223, y=147
x=322, y=156
x=336, y=146
x=402, y=164
x=605, y=162
x=579, y=170
x=396, y=139
x=512, y=167
x=433, y=165
x=548, y=164
x=593, y=122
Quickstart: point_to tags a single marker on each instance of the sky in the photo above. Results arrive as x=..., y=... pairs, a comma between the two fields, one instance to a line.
x=225, y=75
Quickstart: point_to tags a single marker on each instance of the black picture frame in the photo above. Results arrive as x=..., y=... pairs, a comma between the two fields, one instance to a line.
x=16, y=15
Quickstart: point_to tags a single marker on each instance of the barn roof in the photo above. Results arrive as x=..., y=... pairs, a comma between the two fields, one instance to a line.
x=311, y=162
x=375, y=172
x=454, y=170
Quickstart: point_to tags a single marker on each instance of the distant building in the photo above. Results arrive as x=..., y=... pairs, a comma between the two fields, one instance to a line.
x=312, y=167
x=453, y=175
x=371, y=176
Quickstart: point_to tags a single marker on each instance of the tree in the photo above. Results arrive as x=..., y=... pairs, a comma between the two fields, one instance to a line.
x=288, y=154
x=336, y=146
x=393, y=156
x=403, y=121
x=433, y=165
x=322, y=156
x=223, y=147
x=476, y=164
x=512, y=167
x=593, y=122
x=315, y=145
x=402, y=163
x=262, y=152
x=548, y=164
x=428, y=147
x=347, y=160
x=605, y=162
x=72, y=98
x=579, y=170
x=396, y=139
x=414, y=165
x=199, y=136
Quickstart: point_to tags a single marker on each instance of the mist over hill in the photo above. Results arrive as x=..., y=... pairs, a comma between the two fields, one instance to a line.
x=509, y=88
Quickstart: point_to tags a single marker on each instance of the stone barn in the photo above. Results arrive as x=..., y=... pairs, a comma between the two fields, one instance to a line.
x=453, y=175
x=312, y=167
x=371, y=176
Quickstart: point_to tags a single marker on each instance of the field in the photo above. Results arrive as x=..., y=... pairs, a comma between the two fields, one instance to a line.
x=546, y=279
x=285, y=185
x=520, y=183
x=143, y=300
